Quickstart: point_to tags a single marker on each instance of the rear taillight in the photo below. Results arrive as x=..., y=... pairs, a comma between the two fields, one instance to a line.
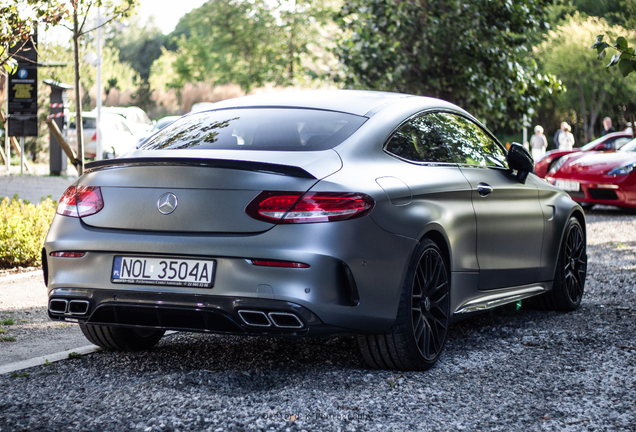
x=296, y=207
x=94, y=137
x=68, y=254
x=271, y=263
x=80, y=201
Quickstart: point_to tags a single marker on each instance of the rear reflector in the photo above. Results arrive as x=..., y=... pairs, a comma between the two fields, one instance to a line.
x=80, y=201
x=68, y=254
x=296, y=207
x=269, y=263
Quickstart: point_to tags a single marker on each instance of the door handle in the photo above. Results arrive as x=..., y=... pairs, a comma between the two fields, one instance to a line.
x=484, y=189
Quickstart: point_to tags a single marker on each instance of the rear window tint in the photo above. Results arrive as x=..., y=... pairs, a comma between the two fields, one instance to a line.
x=89, y=123
x=257, y=129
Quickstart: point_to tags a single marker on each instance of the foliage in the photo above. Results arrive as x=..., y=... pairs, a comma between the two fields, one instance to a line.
x=591, y=90
x=615, y=12
x=18, y=20
x=472, y=53
x=138, y=45
x=248, y=43
x=23, y=227
x=121, y=75
x=625, y=58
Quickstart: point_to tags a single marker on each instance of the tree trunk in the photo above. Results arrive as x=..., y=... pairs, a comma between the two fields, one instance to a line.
x=584, y=112
x=78, y=98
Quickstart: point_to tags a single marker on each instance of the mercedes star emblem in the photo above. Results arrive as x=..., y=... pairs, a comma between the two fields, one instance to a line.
x=167, y=203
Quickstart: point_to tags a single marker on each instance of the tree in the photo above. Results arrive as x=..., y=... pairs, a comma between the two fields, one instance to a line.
x=472, y=53
x=138, y=45
x=625, y=59
x=18, y=21
x=79, y=14
x=592, y=89
x=248, y=43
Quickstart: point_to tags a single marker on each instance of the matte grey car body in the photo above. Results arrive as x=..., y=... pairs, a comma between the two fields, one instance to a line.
x=496, y=235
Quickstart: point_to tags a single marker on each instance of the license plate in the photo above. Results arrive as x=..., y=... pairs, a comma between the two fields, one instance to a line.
x=163, y=271
x=567, y=185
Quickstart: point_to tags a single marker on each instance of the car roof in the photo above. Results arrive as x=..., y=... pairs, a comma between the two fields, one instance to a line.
x=358, y=102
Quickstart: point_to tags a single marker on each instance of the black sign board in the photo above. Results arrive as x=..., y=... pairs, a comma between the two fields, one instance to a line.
x=23, y=90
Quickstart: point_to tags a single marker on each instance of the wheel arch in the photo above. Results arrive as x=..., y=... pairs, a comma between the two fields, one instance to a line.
x=438, y=235
x=576, y=212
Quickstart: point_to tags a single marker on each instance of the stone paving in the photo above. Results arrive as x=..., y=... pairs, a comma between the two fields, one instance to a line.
x=34, y=187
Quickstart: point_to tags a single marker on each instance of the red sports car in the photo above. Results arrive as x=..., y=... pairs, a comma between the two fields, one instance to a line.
x=608, y=143
x=598, y=178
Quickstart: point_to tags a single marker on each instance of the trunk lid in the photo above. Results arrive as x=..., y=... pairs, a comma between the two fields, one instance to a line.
x=211, y=194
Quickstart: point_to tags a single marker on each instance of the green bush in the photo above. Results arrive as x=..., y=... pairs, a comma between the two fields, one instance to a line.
x=23, y=227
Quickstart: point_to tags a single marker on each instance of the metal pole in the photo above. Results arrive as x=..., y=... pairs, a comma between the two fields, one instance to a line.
x=98, y=156
x=7, y=146
x=525, y=132
x=21, y=155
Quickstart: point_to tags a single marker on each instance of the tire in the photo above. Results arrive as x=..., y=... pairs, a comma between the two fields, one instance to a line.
x=419, y=333
x=569, y=277
x=121, y=338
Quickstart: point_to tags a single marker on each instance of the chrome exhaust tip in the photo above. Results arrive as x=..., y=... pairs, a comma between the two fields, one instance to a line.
x=58, y=306
x=255, y=318
x=286, y=320
x=78, y=307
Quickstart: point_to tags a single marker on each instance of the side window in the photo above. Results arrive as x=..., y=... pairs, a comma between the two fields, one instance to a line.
x=418, y=140
x=470, y=144
x=620, y=142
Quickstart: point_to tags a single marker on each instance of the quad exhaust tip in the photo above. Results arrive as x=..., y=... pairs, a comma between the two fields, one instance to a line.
x=284, y=320
x=66, y=307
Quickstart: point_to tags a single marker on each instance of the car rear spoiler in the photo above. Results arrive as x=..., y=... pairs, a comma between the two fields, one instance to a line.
x=286, y=170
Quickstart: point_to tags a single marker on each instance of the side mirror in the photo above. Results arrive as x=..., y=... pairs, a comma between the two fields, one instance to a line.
x=520, y=160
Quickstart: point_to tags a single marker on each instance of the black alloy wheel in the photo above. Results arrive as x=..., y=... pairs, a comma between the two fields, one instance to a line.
x=417, y=338
x=569, y=276
x=430, y=304
x=574, y=263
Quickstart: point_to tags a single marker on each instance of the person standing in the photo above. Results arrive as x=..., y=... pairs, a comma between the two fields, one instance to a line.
x=566, y=139
x=538, y=143
x=556, y=135
x=607, y=126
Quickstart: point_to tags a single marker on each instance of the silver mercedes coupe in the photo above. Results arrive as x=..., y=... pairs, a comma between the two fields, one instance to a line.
x=308, y=213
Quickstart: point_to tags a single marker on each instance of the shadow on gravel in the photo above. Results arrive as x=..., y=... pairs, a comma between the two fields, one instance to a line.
x=602, y=210
x=198, y=352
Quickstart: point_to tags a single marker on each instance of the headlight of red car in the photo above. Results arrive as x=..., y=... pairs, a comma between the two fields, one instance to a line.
x=623, y=169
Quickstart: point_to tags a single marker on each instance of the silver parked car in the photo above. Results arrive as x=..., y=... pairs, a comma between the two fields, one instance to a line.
x=297, y=214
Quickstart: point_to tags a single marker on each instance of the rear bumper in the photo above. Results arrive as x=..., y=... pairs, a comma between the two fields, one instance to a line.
x=197, y=313
x=353, y=283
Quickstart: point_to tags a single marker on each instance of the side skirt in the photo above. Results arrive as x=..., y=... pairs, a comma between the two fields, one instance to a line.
x=467, y=299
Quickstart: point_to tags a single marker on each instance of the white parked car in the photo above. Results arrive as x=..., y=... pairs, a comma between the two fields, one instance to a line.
x=137, y=118
x=117, y=135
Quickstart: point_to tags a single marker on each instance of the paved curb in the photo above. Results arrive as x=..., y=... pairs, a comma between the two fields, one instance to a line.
x=50, y=358
x=34, y=188
x=20, y=275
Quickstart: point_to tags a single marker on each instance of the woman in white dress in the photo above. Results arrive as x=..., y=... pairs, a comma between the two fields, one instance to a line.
x=566, y=139
x=538, y=143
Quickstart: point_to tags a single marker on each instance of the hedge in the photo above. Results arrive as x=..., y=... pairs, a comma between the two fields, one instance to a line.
x=23, y=227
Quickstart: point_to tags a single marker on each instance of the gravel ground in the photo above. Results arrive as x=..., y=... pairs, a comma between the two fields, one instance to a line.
x=504, y=370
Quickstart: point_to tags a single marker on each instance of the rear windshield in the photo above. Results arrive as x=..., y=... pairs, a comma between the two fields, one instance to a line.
x=257, y=129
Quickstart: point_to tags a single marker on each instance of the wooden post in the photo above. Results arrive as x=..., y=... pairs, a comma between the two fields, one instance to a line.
x=4, y=157
x=60, y=139
x=14, y=142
